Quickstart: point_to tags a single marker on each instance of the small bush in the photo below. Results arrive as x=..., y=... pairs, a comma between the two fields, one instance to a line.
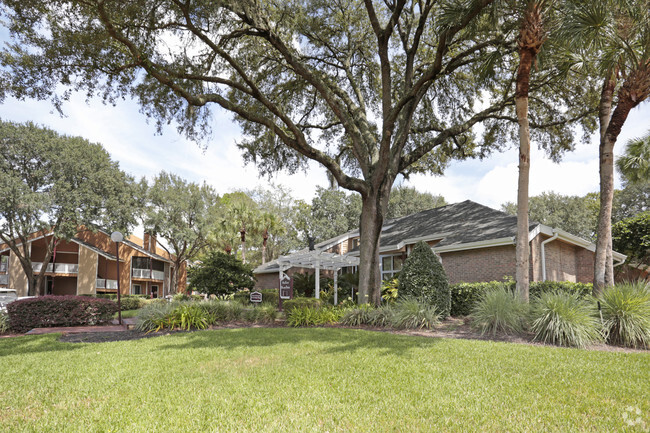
x=358, y=316
x=565, y=319
x=290, y=304
x=188, y=316
x=382, y=316
x=153, y=317
x=267, y=313
x=414, y=314
x=269, y=296
x=4, y=322
x=48, y=311
x=423, y=277
x=131, y=302
x=464, y=296
x=310, y=316
x=390, y=290
x=626, y=314
x=499, y=309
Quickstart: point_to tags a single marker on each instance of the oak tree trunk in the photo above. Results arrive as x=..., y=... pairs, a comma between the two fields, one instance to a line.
x=373, y=209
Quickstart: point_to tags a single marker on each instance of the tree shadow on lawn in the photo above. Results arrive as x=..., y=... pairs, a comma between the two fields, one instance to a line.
x=34, y=344
x=334, y=340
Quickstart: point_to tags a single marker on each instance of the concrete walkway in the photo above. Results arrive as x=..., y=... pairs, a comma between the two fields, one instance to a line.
x=126, y=325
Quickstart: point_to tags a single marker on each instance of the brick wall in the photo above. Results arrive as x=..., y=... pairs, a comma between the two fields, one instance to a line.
x=482, y=264
x=561, y=261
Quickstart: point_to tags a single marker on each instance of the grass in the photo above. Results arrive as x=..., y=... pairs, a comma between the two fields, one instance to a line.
x=127, y=314
x=323, y=379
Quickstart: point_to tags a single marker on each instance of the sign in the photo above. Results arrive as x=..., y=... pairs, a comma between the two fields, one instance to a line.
x=285, y=287
x=256, y=297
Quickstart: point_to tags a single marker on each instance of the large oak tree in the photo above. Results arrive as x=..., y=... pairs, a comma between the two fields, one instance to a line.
x=369, y=89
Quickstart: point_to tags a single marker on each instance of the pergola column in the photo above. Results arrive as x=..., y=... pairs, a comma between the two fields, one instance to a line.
x=336, y=287
x=317, y=291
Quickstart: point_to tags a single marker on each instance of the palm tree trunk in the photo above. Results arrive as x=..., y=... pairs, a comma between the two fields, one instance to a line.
x=634, y=90
x=531, y=38
x=522, y=251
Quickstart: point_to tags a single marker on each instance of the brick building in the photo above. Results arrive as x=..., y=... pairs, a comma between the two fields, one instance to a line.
x=474, y=243
x=87, y=265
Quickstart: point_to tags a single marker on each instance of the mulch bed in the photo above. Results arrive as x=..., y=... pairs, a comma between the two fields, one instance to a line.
x=451, y=328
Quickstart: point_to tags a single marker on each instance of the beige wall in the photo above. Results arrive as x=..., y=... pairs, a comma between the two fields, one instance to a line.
x=87, y=277
x=17, y=278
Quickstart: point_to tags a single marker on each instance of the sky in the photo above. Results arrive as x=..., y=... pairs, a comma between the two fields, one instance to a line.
x=131, y=139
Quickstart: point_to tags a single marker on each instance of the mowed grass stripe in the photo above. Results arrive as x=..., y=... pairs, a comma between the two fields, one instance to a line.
x=258, y=380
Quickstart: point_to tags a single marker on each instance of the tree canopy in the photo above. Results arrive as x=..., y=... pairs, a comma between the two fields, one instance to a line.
x=181, y=213
x=58, y=183
x=220, y=274
x=368, y=89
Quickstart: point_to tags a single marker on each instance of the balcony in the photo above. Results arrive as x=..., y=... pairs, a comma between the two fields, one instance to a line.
x=3, y=267
x=147, y=274
x=103, y=283
x=57, y=268
x=4, y=280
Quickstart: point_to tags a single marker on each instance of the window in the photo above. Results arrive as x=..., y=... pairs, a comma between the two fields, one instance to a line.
x=136, y=289
x=390, y=266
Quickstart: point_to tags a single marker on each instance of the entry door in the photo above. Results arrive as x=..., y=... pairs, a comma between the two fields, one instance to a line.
x=154, y=291
x=49, y=285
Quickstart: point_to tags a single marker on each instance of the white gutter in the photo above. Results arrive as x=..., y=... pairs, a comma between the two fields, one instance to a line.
x=555, y=236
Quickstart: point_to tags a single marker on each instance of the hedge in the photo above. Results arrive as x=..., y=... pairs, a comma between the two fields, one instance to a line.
x=49, y=311
x=465, y=295
x=269, y=296
x=128, y=302
x=300, y=302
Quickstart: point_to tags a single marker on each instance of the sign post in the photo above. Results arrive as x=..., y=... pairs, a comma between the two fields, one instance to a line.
x=256, y=297
x=286, y=289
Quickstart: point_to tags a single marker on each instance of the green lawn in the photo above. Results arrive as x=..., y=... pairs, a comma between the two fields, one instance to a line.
x=127, y=314
x=290, y=380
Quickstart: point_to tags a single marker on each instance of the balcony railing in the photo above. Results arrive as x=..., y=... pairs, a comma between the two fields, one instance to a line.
x=57, y=268
x=147, y=273
x=4, y=280
x=3, y=267
x=103, y=283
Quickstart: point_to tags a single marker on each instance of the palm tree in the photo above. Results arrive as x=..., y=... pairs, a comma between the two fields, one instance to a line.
x=634, y=165
x=617, y=36
x=269, y=223
x=531, y=37
x=245, y=219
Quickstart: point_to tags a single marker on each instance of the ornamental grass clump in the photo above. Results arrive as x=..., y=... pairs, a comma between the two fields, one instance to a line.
x=358, y=316
x=626, y=314
x=565, y=319
x=153, y=317
x=382, y=316
x=310, y=316
x=4, y=322
x=499, y=310
x=414, y=314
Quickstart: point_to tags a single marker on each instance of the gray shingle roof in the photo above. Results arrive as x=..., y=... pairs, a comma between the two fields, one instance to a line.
x=459, y=223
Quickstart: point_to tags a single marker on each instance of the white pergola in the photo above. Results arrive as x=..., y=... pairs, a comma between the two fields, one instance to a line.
x=318, y=260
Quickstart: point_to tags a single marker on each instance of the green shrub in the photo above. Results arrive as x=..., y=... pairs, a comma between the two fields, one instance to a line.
x=269, y=296
x=181, y=297
x=626, y=314
x=290, y=304
x=153, y=317
x=414, y=314
x=358, y=316
x=188, y=316
x=267, y=313
x=499, y=309
x=423, y=277
x=464, y=296
x=382, y=316
x=131, y=302
x=390, y=290
x=4, y=322
x=565, y=319
x=310, y=316
x=581, y=289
